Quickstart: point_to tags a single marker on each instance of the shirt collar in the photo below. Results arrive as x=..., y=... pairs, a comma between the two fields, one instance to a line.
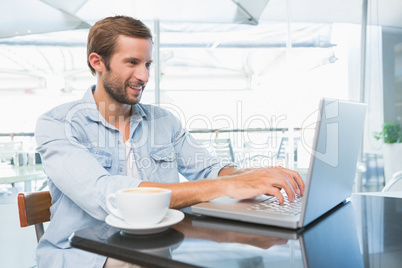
x=93, y=112
x=138, y=111
x=90, y=110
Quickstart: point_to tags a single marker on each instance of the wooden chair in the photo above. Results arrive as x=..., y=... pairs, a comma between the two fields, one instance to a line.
x=34, y=209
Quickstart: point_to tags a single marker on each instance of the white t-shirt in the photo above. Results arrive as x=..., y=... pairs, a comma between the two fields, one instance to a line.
x=131, y=167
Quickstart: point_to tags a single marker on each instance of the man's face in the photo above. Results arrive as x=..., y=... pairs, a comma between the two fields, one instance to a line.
x=129, y=70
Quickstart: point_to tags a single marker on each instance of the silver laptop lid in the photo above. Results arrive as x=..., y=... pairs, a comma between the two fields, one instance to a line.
x=338, y=139
x=334, y=152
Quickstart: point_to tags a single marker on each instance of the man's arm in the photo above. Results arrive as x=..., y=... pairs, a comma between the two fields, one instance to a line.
x=203, y=169
x=237, y=184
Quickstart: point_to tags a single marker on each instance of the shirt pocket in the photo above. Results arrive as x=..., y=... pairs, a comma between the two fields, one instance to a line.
x=164, y=166
x=104, y=158
x=165, y=153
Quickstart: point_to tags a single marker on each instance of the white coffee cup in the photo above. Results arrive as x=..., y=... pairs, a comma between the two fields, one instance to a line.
x=142, y=206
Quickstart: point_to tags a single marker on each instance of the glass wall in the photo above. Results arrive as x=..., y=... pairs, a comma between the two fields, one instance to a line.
x=255, y=84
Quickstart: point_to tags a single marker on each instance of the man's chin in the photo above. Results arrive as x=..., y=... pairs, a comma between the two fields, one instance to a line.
x=135, y=98
x=134, y=101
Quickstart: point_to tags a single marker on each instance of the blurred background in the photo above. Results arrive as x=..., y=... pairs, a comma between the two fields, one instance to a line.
x=243, y=76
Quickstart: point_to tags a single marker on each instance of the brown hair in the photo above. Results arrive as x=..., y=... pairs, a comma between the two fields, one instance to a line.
x=103, y=35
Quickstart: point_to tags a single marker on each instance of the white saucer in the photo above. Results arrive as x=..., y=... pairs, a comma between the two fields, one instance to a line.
x=172, y=217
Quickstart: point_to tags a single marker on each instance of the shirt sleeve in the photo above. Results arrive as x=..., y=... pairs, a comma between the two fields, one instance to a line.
x=194, y=161
x=73, y=169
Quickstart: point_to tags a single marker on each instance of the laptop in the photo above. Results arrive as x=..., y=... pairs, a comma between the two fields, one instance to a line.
x=331, y=241
x=329, y=182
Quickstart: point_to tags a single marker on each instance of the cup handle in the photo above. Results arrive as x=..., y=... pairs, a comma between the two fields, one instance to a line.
x=110, y=206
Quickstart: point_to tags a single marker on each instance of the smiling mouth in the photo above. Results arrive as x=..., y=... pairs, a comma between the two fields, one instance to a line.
x=137, y=89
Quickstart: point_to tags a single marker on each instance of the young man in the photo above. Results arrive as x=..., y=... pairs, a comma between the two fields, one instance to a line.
x=108, y=140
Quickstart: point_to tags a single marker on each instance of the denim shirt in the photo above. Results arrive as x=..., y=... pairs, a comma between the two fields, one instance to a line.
x=84, y=159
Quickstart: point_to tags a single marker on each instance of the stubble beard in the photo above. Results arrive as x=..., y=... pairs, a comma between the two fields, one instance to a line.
x=113, y=88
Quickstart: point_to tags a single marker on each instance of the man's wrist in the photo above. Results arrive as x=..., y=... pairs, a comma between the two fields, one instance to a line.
x=233, y=170
x=228, y=171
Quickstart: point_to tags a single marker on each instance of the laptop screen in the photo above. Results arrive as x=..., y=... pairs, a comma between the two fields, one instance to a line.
x=337, y=144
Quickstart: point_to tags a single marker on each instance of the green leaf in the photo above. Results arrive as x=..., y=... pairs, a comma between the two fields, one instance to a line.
x=391, y=133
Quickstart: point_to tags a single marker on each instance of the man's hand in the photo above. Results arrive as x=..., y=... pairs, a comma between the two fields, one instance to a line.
x=245, y=183
x=270, y=181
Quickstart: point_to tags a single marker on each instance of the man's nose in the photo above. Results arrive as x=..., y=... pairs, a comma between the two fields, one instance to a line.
x=142, y=74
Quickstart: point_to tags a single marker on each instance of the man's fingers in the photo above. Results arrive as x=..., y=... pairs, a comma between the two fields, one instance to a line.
x=286, y=182
x=296, y=176
x=270, y=181
x=279, y=183
x=277, y=193
x=293, y=177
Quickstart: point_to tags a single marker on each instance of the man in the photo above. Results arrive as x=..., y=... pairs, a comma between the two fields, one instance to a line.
x=108, y=140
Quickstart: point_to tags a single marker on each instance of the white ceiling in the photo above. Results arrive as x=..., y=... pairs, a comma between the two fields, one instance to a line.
x=39, y=16
x=52, y=16
x=380, y=12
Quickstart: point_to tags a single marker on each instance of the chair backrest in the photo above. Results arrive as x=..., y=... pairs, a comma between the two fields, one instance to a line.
x=395, y=184
x=34, y=209
x=8, y=149
x=222, y=148
x=283, y=147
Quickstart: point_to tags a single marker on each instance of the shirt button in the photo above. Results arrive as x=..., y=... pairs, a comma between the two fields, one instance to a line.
x=121, y=169
x=118, y=142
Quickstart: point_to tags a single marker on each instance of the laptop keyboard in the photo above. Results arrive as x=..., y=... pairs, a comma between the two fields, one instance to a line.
x=271, y=205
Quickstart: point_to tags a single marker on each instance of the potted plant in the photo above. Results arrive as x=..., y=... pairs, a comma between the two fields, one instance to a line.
x=391, y=134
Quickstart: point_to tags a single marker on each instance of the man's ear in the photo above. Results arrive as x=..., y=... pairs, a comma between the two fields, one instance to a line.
x=96, y=61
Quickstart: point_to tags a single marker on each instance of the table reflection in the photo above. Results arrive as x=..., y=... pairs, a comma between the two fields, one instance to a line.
x=212, y=242
x=381, y=233
x=161, y=244
x=333, y=241
x=200, y=241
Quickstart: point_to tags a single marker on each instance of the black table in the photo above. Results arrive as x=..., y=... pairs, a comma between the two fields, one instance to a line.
x=365, y=232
